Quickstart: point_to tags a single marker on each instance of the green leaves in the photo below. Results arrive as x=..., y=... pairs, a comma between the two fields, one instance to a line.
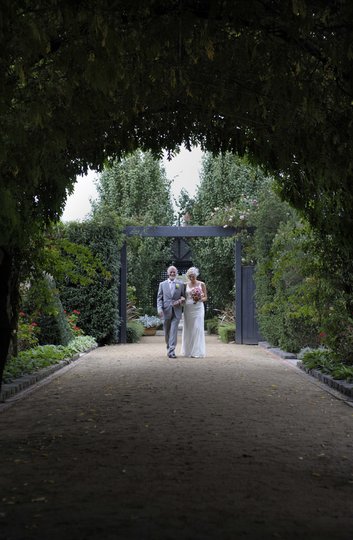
x=44, y=356
x=97, y=299
x=81, y=83
x=136, y=188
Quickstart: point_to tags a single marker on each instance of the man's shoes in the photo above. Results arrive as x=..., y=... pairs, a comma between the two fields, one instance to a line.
x=172, y=355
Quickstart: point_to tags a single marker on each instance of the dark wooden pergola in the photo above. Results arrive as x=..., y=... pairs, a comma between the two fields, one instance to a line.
x=245, y=316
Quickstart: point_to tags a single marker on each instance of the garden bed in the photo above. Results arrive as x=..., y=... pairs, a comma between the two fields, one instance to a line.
x=26, y=380
x=340, y=385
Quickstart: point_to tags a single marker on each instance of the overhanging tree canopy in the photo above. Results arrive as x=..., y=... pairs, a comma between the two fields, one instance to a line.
x=81, y=82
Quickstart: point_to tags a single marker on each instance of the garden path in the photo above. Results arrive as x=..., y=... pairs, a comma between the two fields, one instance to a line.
x=129, y=445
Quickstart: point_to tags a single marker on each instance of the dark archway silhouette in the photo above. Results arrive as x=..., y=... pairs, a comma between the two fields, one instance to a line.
x=246, y=323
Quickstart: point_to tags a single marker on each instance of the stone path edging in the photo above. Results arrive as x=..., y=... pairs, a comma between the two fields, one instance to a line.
x=341, y=386
x=9, y=390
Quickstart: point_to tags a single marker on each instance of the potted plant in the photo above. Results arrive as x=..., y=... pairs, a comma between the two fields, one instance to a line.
x=150, y=324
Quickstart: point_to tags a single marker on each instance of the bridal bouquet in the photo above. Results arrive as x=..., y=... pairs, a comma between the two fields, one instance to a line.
x=196, y=294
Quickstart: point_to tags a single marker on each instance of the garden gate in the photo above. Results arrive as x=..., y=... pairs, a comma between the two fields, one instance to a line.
x=246, y=324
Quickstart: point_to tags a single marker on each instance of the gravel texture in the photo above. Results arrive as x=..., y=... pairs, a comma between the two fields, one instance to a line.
x=127, y=444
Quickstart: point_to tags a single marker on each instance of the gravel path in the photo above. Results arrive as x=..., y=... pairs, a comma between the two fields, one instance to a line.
x=129, y=445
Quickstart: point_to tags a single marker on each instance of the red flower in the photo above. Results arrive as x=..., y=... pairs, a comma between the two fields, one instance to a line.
x=322, y=336
x=76, y=312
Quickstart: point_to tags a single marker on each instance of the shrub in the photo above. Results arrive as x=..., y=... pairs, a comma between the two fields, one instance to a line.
x=72, y=319
x=226, y=332
x=40, y=299
x=54, y=327
x=290, y=305
x=326, y=361
x=298, y=331
x=343, y=372
x=98, y=301
x=150, y=321
x=27, y=332
x=338, y=326
x=42, y=356
x=134, y=331
x=320, y=358
x=212, y=325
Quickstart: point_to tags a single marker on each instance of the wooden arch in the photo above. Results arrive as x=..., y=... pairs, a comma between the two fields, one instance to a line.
x=246, y=327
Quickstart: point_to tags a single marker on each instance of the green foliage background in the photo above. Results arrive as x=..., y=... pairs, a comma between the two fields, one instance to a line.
x=81, y=81
x=137, y=190
x=301, y=296
x=54, y=327
x=226, y=181
x=97, y=301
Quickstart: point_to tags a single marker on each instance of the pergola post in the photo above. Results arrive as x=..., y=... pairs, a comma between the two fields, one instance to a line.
x=123, y=294
x=238, y=294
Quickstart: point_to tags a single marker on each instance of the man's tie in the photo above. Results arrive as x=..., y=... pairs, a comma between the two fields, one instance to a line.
x=172, y=287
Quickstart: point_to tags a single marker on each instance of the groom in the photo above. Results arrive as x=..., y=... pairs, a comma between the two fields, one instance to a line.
x=170, y=297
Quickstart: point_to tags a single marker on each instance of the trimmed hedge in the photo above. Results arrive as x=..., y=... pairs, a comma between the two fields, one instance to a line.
x=226, y=332
x=98, y=302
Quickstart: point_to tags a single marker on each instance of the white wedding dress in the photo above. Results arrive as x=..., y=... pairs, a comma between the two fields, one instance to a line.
x=193, y=335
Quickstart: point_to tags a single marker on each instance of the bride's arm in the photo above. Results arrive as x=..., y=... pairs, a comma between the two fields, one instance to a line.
x=204, y=292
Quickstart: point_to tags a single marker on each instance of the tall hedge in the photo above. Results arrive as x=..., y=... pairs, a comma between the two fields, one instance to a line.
x=270, y=215
x=98, y=301
x=287, y=277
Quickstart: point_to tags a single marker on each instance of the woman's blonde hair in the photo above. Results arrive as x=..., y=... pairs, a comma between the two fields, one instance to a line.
x=192, y=270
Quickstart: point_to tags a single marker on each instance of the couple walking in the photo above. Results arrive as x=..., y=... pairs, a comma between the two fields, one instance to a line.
x=174, y=296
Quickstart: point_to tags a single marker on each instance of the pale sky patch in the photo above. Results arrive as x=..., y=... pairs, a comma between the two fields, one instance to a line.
x=184, y=171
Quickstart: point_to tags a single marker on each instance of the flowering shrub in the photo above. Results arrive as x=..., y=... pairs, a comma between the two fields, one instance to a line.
x=27, y=332
x=236, y=215
x=241, y=214
x=72, y=319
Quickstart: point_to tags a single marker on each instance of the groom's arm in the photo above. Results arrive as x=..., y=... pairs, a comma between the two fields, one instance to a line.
x=183, y=294
x=160, y=300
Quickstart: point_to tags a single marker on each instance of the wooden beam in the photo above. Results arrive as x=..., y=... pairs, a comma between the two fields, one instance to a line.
x=190, y=231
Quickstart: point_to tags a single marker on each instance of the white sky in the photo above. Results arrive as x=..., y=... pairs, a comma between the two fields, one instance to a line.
x=183, y=170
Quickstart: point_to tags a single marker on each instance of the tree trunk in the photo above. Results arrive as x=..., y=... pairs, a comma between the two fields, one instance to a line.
x=8, y=296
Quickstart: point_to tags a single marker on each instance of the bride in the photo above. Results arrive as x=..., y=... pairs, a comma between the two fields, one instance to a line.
x=193, y=336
